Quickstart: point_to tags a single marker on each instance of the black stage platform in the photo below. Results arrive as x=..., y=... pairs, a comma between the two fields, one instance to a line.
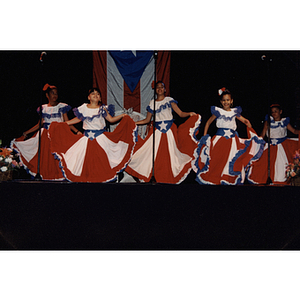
x=38, y=215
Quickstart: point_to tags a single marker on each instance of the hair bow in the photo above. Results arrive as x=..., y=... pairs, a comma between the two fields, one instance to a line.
x=221, y=91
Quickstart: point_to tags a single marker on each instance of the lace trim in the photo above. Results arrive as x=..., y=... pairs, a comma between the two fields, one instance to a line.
x=101, y=113
x=205, y=142
x=275, y=124
x=162, y=107
x=237, y=113
x=60, y=112
x=258, y=154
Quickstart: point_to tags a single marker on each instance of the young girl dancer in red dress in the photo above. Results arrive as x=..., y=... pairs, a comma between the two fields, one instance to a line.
x=282, y=150
x=98, y=155
x=224, y=158
x=174, y=147
x=54, y=111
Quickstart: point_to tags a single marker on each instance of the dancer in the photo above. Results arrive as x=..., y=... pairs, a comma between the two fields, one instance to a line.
x=28, y=148
x=282, y=150
x=174, y=148
x=98, y=156
x=224, y=158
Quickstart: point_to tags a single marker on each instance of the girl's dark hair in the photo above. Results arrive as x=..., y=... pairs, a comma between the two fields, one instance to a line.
x=276, y=105
x=93, y=90
x=47, y=88
x=225, y=92
x=159, y=81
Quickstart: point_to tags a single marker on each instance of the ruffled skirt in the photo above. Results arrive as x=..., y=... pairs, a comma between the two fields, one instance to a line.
x=280, y=156
x=28, y=150
x=221, y=160
x=99, y=160
x=174, y=153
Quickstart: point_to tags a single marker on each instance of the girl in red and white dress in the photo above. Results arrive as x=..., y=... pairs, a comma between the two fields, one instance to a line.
x=174, y=147
x=54, y=111
x=282, y=150
x=98, y=156
x=224, y=158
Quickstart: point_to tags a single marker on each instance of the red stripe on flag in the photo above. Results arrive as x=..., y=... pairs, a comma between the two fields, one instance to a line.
x=132, y=99
x=100, y=73
x=163, y=68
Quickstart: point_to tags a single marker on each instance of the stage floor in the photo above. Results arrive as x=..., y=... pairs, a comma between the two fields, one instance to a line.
x=39, y=215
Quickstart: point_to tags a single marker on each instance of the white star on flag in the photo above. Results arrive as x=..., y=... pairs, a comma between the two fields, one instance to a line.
x=91, y=135
x=227, y=132
x=163, y=126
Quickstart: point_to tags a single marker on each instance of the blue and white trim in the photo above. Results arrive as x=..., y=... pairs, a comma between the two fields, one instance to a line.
x=60, y=112
x=162, y=107
x=236, y=113
x=101, y=113
x=275, y=124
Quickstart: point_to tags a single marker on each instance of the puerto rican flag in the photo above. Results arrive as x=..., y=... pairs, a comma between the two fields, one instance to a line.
x=125, y=77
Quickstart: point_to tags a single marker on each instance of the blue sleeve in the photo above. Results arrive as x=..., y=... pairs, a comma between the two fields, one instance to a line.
x=286, y=121
x=78, y=114
x=238, y=111
x=65, y=109
x=111, y=110
x=214, y=111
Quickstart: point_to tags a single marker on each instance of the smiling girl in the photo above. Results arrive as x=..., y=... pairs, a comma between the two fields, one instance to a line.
x=98, y=155
x=174, y=147
x=282, y=149
x=53, y=111
x=223, y=159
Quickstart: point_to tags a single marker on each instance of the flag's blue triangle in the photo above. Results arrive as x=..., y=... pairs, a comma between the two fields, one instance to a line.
x=131, y=65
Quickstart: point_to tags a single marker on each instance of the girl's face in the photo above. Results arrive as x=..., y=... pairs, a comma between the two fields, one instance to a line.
x=226, y=102
x=276, y=113
x=52, y=95
x=94, y=97
x=160, y=89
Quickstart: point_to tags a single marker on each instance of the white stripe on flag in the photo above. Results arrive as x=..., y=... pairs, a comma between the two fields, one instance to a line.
x=114, y=84
x=147, y=92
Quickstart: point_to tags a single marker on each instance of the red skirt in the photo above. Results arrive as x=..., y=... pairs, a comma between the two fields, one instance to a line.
x=174, y=153
x=97, y=160
x=280, y=156
x=224, y=161
x=28, y=150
